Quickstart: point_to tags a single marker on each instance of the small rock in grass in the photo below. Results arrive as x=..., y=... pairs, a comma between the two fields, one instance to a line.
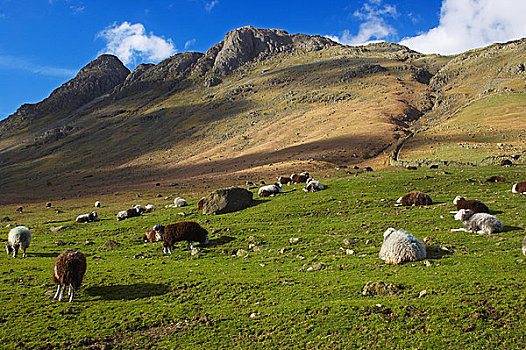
x=349, y=252
x=294, y=240
x=195, y=251
x=242, y=253
x=428, y=263
x=422, y=293
x=316, y=267
x=373, y=288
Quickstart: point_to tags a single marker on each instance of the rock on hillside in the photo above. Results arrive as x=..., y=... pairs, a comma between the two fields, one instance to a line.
x=245, y=44
x=97, y=78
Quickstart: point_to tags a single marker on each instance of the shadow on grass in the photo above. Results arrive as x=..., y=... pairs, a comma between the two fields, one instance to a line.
x=511, y=228
x=220, y=241
x=434, y=252
x=495, y=212
x=44, y=255
x=128, y=292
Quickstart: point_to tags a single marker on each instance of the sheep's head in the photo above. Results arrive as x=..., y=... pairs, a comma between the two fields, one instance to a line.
x=457, y=199
x=9, y=249
x=159, y=229
x=207, y=239
x=463, y=214
x=389, y=231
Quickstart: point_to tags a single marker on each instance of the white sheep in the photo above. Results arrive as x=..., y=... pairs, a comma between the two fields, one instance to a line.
x=270, y=190
x=481, y=223
x=97, y=204
x=313, y=186
x=399, y=247
x=18, y=237
x=180, y=202
x=148, y=208
x=91, y=217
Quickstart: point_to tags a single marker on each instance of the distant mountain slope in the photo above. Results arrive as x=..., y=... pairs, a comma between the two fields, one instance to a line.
x=260, y=102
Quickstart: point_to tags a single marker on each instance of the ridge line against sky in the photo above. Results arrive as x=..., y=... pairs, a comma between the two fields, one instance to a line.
x=48, y=42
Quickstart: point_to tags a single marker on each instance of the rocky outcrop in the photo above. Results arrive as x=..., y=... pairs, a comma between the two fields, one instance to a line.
x=248, y=43
x=227, y=200
x=165, y=75
x=96, y=79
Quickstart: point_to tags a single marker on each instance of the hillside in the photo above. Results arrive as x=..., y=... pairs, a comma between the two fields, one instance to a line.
x=260, y=102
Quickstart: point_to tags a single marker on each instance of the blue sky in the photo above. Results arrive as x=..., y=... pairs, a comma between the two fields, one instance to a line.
x=45, y=43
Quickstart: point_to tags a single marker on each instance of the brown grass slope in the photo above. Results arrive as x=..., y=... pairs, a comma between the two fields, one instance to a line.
x=309, y=105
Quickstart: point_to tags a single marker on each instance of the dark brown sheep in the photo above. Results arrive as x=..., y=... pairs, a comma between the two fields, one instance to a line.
x=519, y=187
x=189, y=231
x=284, y=180
x=496, y=178
x=414, y=198
x=506, y=162
x=69, y=270
x=20, y=209
x=473, y=204
x=299, y=178
x=410, y=167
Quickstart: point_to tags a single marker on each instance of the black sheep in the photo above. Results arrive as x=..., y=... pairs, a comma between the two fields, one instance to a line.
x=69, y=270
x=189, y=231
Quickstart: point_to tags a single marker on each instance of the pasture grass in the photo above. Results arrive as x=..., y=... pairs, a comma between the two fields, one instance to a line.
x=252, y=288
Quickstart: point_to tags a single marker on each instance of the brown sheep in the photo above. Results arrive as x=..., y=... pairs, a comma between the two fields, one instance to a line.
x=301, y=178
x=475, y=205
x=519, y=187
x=410, y=167
x=414, y=198
x=496, y=178
x=189, y=231
x=506, y=162
x=69, y=270
x=152, y=236
x=20, y=209
x=284, y=180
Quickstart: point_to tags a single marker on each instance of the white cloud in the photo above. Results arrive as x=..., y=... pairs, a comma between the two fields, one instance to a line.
x=131, y=43
x=374, y=26
x=210, y=5
x=468, y=24
x=19, y=63
x=189, y=43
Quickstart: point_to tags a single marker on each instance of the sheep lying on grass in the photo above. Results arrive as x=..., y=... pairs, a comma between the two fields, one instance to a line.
x=414, y=198
x=313, y=186
x=481, y=223
x=296, y=179
x=91, y=217
x=180, y=202
x=18, y=237
x=97, y=204
x=399, y=247
x=69, y=270
x=269, y=190
x=189, y=231
x=475, y=205
x=129, y=213
x=519, y=187
x=284, y=180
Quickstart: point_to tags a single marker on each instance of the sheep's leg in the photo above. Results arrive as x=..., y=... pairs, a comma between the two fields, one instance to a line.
x=190, y=246
x=15, y=251
x=23, y=252
x=71, y=292
x=165, y=251
x=58, y=292
x=462, y=229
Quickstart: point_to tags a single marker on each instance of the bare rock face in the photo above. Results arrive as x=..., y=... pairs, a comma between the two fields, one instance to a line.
x=167, y=74
x=97, y=78
x=227, y=200
x=248, y=43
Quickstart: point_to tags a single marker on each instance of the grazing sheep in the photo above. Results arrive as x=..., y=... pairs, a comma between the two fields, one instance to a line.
x=506, y=163
x=481, y=223
x=414, y=198
x=519, y=187
x=411, y=167
x=399, y=247
x=91, y=217
x=18, y=237
x=20, y=209
x=495, y=178
x=69, y=270
x=180, y=202
x=249, y=183
x=473, y=204
x=262, y=182
x=128, y=213
x=97, y=204
x=313, y=186
x=301, y=178
x=189, y=231
x=152, y=236
x=269, y=190
x=148, y=208
x=524, y=246
x=48, y=205
x=284, y=180
x=367, y=169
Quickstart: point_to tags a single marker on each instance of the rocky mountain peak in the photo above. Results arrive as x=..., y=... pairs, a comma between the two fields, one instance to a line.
x=248, y=43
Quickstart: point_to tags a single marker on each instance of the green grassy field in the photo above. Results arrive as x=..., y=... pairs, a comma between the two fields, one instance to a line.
x=253, y=288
